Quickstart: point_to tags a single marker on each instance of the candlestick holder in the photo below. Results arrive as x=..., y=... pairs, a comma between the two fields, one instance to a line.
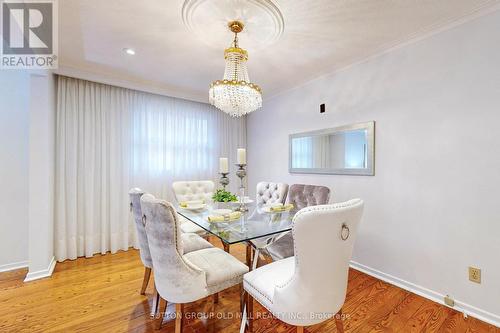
x=224, y=180
x=241, y=173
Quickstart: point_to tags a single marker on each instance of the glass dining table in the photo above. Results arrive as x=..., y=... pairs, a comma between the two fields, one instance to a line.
x=257, y=222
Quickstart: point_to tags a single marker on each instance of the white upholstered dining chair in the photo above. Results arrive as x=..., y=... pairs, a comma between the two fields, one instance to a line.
x=269, y=193
x=189, y=191
x=183, y=277
x=310, y=287
x=191, y=242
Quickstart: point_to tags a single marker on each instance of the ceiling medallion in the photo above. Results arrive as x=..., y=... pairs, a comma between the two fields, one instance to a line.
x=207, y=19
x=235, y=94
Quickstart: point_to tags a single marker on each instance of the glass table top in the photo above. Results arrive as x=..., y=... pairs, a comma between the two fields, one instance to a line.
x=255, y=223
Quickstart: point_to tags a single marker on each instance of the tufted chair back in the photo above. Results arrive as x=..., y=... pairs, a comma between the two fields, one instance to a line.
x=268, y=193
x=302, y=196
x=194, y=190
x=135, y=195
x=176, y=279
x=319, y=282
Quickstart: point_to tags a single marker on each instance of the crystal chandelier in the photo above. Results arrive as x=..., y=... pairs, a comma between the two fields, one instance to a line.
x=235, y=94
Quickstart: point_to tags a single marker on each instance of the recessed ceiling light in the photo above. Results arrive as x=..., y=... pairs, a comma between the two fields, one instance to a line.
x=129, y=51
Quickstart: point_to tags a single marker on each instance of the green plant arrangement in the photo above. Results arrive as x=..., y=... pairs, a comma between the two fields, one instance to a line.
x=222, y=195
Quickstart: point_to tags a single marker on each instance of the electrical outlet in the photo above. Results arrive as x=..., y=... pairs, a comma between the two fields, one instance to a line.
x=474, y=274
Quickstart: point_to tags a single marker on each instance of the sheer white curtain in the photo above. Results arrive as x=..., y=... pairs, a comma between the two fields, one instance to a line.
x=184, y=143
x=321, y=151
x=110, y=139
x=302, y=152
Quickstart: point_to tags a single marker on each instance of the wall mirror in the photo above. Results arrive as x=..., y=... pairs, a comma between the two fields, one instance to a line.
x=345, y=150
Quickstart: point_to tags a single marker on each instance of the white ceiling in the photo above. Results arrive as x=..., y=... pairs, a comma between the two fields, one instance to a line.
x=319, y=36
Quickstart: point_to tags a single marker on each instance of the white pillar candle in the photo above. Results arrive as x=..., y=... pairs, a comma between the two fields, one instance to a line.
x=223, y=165
x=242, y=156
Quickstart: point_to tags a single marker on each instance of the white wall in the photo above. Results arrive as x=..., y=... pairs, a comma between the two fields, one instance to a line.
x=41, y=175
x=14, y=157
x=27, y=152
x=433, y=206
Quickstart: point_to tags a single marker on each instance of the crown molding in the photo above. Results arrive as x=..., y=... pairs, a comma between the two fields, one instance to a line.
x=129, y=82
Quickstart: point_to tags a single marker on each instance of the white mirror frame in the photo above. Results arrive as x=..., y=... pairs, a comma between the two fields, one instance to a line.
x=370, y=138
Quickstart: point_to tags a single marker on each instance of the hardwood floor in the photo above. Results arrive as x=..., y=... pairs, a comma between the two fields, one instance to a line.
x=101, y=294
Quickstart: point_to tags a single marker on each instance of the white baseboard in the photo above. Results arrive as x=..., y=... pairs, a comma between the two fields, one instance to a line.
x=43, y=273
x=13, y=266
x=466, y=309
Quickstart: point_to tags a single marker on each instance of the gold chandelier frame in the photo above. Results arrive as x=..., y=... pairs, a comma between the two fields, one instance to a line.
x=236, y=27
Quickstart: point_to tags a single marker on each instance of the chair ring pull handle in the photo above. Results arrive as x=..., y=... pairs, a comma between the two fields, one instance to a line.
x=144, y=219
x=131, y=206
x=343, y=235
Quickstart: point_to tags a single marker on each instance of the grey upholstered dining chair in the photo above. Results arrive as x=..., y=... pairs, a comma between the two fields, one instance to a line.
x=135, y=195
x=183, y=277
x=308, y=288
x=301, y=196
x=192, y=242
